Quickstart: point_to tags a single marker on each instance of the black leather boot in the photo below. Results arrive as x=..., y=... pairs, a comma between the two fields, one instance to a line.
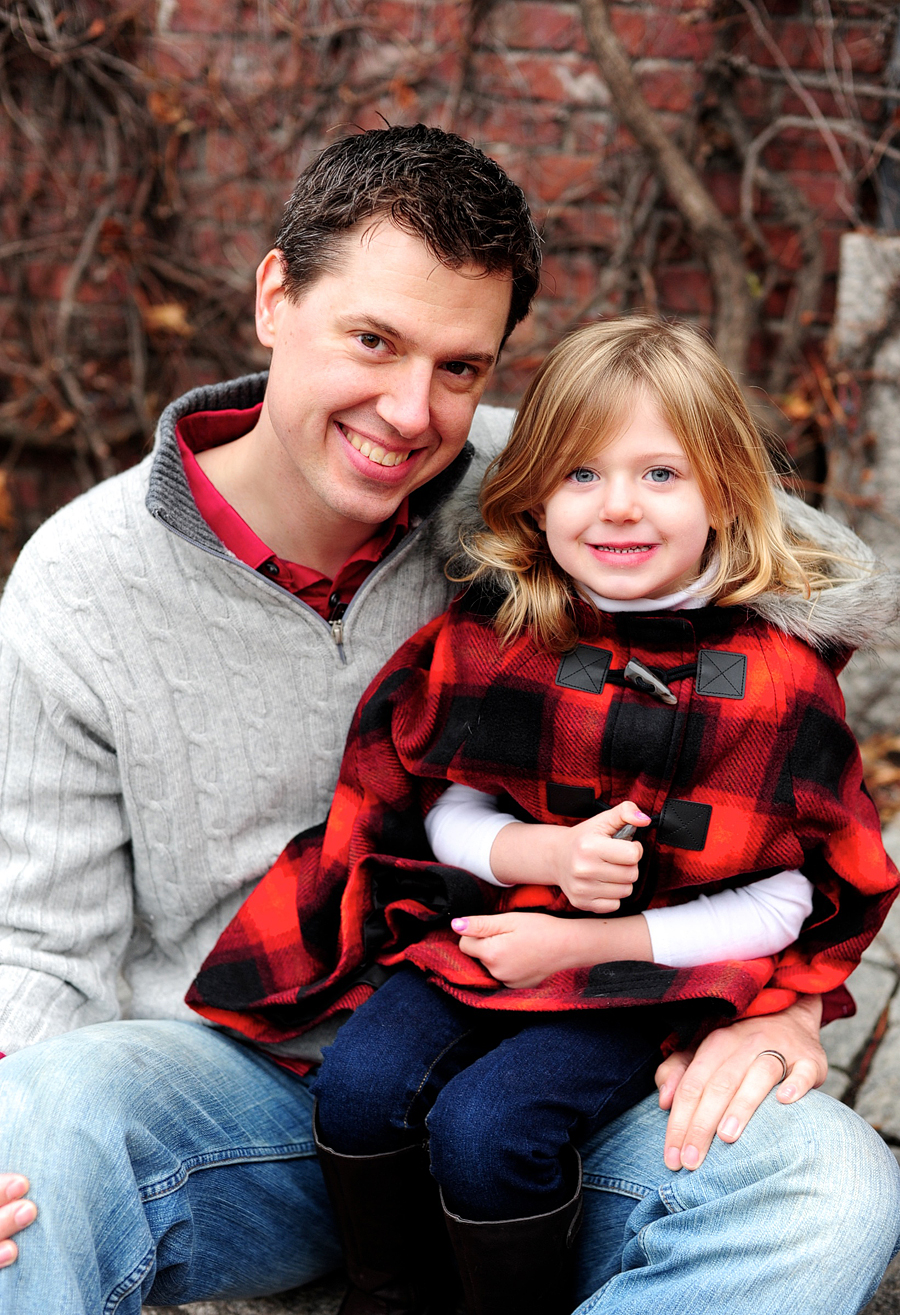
x=518, y=1266
x=389, y=1217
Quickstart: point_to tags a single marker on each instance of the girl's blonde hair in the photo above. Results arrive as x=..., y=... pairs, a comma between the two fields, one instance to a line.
x=580, y=399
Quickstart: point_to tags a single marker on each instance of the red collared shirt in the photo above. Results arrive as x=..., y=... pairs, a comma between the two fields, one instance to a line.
x=206, y=429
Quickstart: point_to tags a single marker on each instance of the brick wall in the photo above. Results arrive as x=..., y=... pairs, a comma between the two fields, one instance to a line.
x=233, y=96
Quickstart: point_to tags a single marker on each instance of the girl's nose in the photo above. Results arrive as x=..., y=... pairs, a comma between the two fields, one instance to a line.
x=619, y=503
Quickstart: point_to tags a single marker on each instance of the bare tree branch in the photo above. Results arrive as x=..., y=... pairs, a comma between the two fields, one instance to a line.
x=734, y=308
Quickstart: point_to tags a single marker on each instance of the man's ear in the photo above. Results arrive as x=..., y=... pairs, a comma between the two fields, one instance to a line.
x=269, y=295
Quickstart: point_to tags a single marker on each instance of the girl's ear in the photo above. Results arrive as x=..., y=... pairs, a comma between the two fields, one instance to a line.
x=539, y=516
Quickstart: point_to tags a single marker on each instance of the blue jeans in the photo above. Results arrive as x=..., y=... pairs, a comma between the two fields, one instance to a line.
x=171, y=1164
x=500, y=1093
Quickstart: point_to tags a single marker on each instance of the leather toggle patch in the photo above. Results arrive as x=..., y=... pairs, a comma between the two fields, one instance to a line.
x=683, y=824
x=720, y=675
x=584, y=668
x=573, y=800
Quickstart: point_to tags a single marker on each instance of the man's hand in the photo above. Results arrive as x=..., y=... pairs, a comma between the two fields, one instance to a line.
x=15, y=1214
x=594, y=871
x=718, y=1088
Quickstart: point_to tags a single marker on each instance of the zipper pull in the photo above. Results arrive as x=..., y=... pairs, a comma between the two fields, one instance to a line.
x=337, y=630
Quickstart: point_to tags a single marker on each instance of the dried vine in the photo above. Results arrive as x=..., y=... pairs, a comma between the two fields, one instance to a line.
x=118, y=289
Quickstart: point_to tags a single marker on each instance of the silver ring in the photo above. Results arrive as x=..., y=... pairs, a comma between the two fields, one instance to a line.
x=781, y=1059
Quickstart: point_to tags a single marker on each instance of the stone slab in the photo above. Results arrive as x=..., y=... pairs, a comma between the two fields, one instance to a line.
x=871, y=986
x=865, y=337
x=322, y=1298
x=879, y=1097
x=885, y=949
x=887, y=1299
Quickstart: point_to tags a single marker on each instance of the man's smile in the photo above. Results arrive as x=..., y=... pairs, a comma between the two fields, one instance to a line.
x=372, y=451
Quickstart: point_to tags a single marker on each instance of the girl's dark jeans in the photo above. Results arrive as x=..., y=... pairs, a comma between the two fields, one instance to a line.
x=500, y=1093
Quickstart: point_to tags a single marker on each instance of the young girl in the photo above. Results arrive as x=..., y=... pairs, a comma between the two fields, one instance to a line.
x=637, y=648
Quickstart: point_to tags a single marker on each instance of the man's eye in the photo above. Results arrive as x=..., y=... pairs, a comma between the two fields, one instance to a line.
x=460, y=368
x=660, y=475
x=370, y=340
x=582, y=476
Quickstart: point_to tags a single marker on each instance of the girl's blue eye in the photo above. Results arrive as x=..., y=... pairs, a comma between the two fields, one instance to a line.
x=582, y=476
x=660, y=475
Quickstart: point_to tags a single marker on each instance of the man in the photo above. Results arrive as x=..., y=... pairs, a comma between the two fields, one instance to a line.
x=182, y=650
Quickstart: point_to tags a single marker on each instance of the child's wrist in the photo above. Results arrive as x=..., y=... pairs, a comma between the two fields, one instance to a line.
x=527, y=854
x=603, y=940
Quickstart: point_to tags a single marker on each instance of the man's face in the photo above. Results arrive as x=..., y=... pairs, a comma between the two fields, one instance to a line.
x=376, y=372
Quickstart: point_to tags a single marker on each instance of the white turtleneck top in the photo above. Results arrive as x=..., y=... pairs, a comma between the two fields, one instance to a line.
x=761, y=918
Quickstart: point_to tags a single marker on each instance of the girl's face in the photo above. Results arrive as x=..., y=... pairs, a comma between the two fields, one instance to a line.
x=631, y=522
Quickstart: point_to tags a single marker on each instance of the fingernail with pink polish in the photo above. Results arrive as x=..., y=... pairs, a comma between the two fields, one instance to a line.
x=641, y=817
x=459, y=924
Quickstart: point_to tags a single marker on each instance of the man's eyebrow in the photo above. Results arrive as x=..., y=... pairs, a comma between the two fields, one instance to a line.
x=388, y=331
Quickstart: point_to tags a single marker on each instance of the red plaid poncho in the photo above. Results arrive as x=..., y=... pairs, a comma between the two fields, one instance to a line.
x=752, y=770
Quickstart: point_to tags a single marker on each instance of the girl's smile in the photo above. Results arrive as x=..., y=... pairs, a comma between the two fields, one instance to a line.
x=631, y=522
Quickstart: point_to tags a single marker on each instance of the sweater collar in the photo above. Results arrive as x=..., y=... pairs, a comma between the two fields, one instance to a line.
x=169, y=498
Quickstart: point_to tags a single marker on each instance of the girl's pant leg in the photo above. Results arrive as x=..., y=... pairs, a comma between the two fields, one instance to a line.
x=168, y=1164
x=498, y=1128
x=389, y=1062
x=802, y=1214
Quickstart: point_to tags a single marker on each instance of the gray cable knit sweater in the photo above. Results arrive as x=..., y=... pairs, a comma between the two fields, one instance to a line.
x=170, y=719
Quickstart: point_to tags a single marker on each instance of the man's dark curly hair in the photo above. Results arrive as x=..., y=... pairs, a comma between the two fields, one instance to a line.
x=430, y=183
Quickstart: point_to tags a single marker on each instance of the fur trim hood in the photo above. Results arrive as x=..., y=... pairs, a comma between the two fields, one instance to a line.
x=854, y=614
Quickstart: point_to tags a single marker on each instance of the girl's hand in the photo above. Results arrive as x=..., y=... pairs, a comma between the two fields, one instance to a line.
x=519, y=949
x=594, y=872
x=717, y=1088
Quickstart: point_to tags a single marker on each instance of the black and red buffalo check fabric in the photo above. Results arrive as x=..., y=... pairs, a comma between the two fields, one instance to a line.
x=750, y=771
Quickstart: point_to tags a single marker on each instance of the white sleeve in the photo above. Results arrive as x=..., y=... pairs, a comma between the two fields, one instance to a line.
x=462, y=826
x=747, y=923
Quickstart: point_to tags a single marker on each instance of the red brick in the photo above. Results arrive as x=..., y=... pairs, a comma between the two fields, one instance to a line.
x=725, y=189
x=559, y=176
x=178, y=57
x=668, y=36
x=591, y=130
x=203, y=16
x=684, y=291
x=799, y=149
x=536, y=125
x=442, y=22
x=531, y=25
x=822, y=193
x=567, y=79
x=672, y=88
x=570, y=277
x=589, y=225
x=225, y=154
x=866, y=49
x=759, y=101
